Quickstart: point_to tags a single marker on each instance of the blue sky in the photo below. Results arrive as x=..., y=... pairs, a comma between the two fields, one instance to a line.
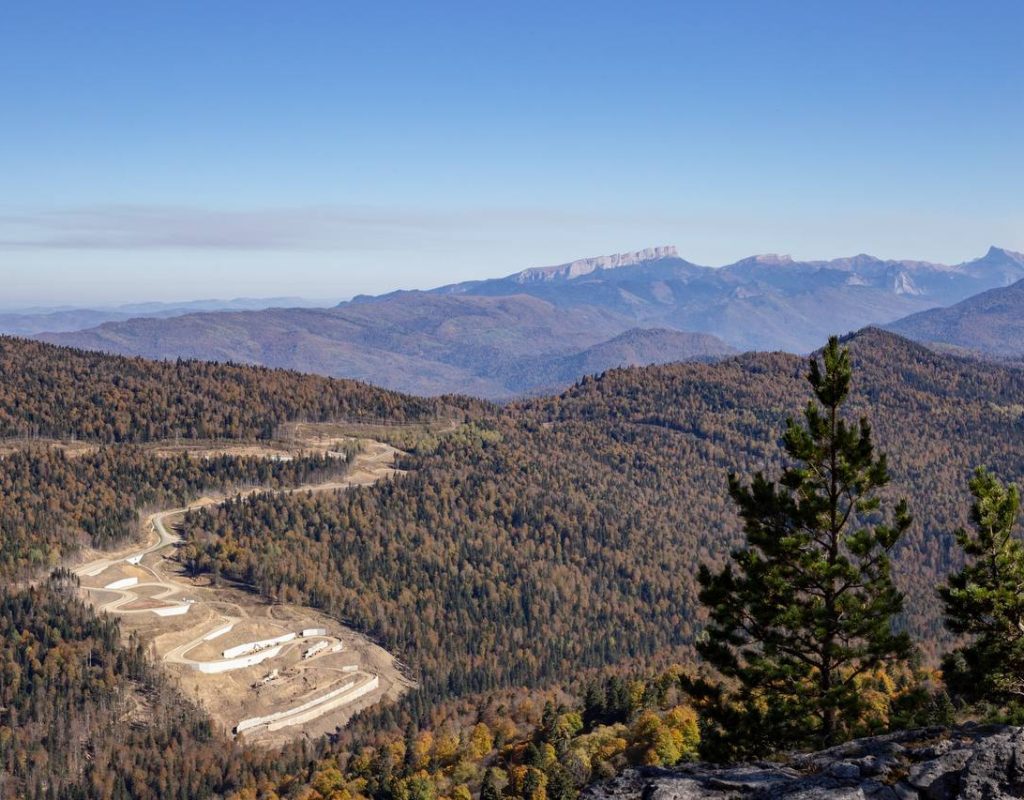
x=159, y=150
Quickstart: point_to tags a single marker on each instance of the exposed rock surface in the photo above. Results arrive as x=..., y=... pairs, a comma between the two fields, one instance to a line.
x=584, y=266
x=968, y=763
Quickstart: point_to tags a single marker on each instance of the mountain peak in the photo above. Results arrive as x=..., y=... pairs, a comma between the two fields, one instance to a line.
x=1001, y=253
x=765, y=260
x=585, y=266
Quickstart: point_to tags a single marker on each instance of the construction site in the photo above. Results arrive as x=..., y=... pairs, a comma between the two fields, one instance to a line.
x=267, y=672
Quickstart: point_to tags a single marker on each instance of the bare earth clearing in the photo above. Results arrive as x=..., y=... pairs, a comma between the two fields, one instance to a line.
x=268, y=671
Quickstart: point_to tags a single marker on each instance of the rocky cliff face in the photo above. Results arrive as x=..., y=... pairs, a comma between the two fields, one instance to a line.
x=968, y=763
x=584, y=266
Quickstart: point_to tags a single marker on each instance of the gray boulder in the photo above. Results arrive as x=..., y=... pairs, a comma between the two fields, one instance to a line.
x=971, y=762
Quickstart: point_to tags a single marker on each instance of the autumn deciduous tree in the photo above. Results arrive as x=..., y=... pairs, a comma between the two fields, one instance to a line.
x=985, y=600
x=806, y=606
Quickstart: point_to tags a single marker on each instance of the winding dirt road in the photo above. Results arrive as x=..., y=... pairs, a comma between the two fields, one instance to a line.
x=133, y=584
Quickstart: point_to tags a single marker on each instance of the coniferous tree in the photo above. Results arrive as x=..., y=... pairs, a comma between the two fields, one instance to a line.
x=986, y=599
x=806, y=607
x=489, y=789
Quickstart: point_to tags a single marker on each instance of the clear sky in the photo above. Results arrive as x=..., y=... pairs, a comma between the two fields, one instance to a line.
x=173, y=150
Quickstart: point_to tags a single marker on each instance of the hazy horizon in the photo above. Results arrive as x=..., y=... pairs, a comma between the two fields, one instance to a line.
x=310, y=301
x=156, y=153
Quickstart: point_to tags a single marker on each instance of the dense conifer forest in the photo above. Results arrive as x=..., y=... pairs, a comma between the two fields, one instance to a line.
x=52, y=503
x=565, y=533
x=64, y=393
x=523, y=558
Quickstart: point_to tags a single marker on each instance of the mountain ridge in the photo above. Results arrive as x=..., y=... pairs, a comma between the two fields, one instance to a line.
x=990, y=323
x=62, y=319
x=484, y=337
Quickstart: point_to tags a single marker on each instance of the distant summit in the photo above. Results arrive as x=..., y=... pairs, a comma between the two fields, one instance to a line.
x=1003, y=254
x=990, y=323
x=541, y=328
x=585, y=266
x=764, y=260
x=999, y=258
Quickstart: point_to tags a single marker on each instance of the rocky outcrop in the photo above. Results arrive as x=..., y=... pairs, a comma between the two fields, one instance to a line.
x=584, y=266
x=968, y=763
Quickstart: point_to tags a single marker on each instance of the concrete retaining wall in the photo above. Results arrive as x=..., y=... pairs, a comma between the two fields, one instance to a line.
x=218, y=632
x=250, y=647
x=172, y=611
x=323, y=708
x=213, y=667
x=124, y=583
x=312, y=708
x=314, y=632
x=319, y=647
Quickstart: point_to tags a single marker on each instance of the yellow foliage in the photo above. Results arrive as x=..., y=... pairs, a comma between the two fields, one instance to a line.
x=666, y=739
x=446, y=746
x=327, y=781
x=422, y=747
x=481, y=742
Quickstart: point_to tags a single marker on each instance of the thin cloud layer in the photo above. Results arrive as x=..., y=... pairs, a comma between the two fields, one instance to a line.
x=310, y=228
x=155, y=227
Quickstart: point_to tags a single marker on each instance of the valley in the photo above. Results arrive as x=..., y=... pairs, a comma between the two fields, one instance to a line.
x=470, y=560
x=511, y=401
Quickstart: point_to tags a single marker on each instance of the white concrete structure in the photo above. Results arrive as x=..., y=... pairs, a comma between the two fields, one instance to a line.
x=312, y=709
x=124, y=583
x=135, y=559
x=213, y=667
x=319, y=647
x=218, y=632
x=172, y=611
x=314, y=632
x=329, y=705
x=252, y=647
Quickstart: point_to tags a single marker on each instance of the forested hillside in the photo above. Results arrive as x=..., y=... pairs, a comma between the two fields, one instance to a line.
x=990, y=324
x=529, y=546
x=83, y=715
x=51, y=504
x=60, y=392
x=565, y=533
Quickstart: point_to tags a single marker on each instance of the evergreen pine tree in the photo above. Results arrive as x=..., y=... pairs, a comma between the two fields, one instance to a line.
x=409, y=764
x=806, y=606
x=986, y=599
x=489, y=789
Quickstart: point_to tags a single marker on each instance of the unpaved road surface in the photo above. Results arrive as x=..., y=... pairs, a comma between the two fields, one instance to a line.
x=280, y=670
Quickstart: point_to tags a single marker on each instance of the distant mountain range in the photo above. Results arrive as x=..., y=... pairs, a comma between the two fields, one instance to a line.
x=536, y=329
x=990, y=323
x=30, y=321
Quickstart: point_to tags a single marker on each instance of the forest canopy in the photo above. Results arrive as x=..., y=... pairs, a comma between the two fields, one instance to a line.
x=60, y=392
x=526, y=546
